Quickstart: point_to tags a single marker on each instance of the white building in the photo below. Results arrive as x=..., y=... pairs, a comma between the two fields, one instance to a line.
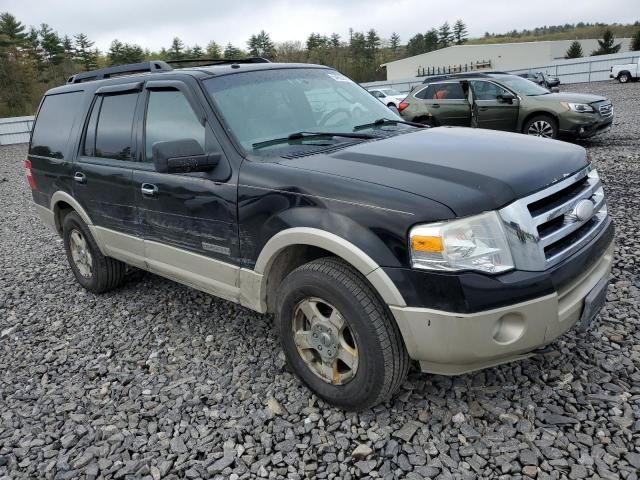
x=497, y=56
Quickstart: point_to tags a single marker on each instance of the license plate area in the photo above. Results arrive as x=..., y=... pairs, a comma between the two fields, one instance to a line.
x=593, y=303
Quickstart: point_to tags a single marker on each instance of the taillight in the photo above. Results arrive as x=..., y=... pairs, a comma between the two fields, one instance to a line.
x=29, y=171
x=402, y=106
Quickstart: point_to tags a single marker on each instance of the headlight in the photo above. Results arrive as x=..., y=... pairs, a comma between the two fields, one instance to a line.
x=473, y=243
x=578, y=107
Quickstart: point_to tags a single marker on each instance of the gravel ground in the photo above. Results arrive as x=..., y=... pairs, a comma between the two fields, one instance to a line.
x=157, y=380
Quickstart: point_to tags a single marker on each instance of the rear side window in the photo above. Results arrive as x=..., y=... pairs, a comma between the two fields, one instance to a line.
x=53, y=126
x=112, y=118
x=442, y=91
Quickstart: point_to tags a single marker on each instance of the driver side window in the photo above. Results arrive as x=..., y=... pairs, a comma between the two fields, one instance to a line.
x=483, y=90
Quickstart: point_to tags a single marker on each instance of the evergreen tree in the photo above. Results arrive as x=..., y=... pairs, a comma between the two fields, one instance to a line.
x=176, y=50
x=213, y=50
x=231, y=52
x=574, y=50
x=394, y=43
x=444, y=35
x=635, y=42
x=51, y=45
x=122, y=53
x=372, y=44
x=334, y=41
x=83, y=53
x=431, y=40
x=415, y=45
x=607, y=45
x=12, y=32
x=260, y=45
x=196, y=52
x=460, y=32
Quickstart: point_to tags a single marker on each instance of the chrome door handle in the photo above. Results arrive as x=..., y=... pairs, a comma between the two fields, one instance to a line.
x=80, y=177
x=148, y=190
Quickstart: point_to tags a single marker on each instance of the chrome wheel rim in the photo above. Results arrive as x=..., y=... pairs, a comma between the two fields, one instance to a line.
x=623, y=79
x=325, y=341
x=541, y=128
x=80, y=253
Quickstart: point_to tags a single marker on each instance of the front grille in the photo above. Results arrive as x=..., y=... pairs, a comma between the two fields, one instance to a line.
x=550, y=225
x=606, y=110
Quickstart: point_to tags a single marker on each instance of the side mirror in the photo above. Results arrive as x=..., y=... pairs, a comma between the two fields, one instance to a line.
x=182, y=156
x=506, y=97
x=554, y=89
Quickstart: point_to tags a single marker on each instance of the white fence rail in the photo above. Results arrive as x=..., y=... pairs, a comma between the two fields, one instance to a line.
x=576, y=70
x=15, y=130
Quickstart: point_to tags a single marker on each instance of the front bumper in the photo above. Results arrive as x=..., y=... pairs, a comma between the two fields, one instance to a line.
x=454, y=343
x=581, y=125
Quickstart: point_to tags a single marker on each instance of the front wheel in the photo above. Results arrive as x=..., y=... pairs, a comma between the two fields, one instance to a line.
x=338, y=336
x=624, y=77
x=541, y=126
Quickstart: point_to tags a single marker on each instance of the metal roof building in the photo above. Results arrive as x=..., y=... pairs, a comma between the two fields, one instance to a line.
x=497, y=56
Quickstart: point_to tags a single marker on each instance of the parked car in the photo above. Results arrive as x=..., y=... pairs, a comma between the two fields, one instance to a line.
x=501, y=101
x=388, y=96
x=373, y=242
x=542, y=79
x=626, y=73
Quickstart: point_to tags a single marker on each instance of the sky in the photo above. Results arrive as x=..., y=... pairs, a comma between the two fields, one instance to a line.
x=153, y=23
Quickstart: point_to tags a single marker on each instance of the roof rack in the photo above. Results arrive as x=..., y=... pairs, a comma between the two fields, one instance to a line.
x=121, y=70
x=220, y=61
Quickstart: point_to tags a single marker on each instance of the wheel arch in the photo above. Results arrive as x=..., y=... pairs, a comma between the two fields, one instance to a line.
x=293, y=247
x=622, y=72
x=61, y=204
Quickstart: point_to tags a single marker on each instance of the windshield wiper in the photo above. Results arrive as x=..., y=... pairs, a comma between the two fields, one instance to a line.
x=388, y=121
x=305, y=135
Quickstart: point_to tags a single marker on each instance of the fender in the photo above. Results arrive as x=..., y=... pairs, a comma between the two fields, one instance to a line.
x=254, y=283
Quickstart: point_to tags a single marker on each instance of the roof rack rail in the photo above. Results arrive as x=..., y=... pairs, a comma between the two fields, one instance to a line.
x=120, y=70
x=220, y=61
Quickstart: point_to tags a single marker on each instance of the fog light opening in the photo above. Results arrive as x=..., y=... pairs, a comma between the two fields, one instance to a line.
x=509, y=328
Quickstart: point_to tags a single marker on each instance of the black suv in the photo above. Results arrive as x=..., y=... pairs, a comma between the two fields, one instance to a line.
x=289, y=189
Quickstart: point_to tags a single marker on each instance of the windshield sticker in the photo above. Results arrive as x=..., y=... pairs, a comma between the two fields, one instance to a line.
x=338, y=78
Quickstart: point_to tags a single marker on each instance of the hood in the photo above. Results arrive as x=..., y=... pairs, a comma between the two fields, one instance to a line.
x=570, y=97
x=468, y=170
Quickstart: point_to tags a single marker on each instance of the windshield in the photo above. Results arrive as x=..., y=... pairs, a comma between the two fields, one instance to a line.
x=523, y=87
x=390, y=92
x=270, y=104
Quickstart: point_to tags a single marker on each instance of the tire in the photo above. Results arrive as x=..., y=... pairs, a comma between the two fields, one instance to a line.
x=380, y=362
x=624, y=77
x=544, y=126
x=92, y=269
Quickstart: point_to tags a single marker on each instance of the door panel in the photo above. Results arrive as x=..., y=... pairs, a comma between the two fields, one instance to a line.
x=102, y=175
x=490, y=112
x=447, y=103
x=194, y=214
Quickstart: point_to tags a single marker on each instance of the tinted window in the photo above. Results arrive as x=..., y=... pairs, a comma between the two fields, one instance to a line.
x=115, y=123
x=90, y=135
x=53, y=125
x=486, y=90
x=170, y=117
x=443, y=91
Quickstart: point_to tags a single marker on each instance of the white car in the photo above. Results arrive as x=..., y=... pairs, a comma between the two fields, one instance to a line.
x=388, y=96
x=625, y=73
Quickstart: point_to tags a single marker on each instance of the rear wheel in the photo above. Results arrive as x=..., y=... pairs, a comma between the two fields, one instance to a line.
x=543, y=126
x=338, y=336
x=92, y=269
x=624, y=77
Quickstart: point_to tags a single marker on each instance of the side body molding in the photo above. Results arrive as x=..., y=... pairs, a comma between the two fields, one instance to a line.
x=253, y=283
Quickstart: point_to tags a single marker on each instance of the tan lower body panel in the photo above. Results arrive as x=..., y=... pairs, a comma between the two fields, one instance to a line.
x=452, y=343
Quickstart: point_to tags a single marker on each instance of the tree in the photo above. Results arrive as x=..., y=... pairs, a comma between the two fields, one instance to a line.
x=260, y=45
x=574, y=50
x=196, y=52
x=12, y=32
x=444, y=35
x=51, y=45
x=176, y=50
x=607, y=44
x=415, y=45
x=460, y=32
x=213, y=50
x=83, y=53
x=394, y=43
x=372, y=44
x=122, y=53
x=231, y=52
x=431, y=40
x=635, y=42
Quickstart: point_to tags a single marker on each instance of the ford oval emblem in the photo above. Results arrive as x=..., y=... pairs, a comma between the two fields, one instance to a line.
x=583, y=210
